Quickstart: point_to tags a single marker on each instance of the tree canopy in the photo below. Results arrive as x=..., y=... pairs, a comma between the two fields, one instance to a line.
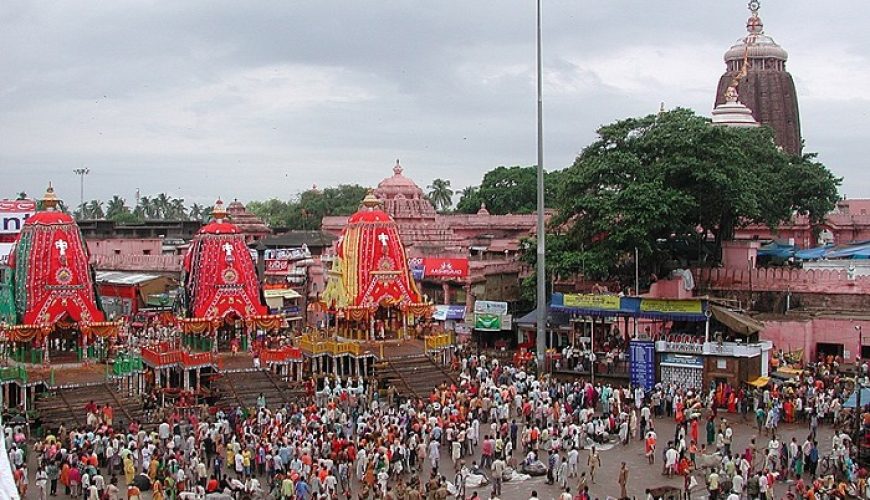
x=440, y=194
x=309, y=208
x=667, y=184
x=507, y=190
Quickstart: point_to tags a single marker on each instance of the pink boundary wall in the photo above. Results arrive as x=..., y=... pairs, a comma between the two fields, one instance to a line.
x=804, y=333
x=781, y=279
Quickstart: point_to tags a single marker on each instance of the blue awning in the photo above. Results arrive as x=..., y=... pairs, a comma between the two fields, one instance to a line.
x=640, y=307
x=813, y=253
x=857, y=251
x=777, y=250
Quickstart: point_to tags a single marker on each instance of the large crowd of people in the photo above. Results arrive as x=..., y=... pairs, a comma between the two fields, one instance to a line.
x=499, y=423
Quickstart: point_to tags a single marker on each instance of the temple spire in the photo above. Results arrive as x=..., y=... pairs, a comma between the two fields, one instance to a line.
x=50, y=201
x=218, y=211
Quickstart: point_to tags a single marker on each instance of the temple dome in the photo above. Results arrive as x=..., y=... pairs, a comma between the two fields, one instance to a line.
x=246, y=221
x=403, y=198
x=733, y=113
x=761, y=46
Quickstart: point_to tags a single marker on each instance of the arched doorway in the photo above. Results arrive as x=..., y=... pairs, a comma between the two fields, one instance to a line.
x=64, y=341
x=230, y=330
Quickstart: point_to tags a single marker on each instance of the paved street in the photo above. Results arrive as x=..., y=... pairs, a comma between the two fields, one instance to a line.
x=641, y=474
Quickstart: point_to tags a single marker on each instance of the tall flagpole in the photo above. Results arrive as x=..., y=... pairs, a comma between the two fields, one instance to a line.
x=541, y=320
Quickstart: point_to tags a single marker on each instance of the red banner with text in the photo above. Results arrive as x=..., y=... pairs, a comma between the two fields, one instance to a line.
x=445, y=268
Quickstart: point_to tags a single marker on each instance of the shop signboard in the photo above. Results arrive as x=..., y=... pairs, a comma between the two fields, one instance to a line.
x=642, y=363
x=591, y=301
x=487, y=322
x=13, y=213
x=445, y=268
x=673, y=359
x=415, y=264
x=490, y=307
x=277, y=267
x=671, y=306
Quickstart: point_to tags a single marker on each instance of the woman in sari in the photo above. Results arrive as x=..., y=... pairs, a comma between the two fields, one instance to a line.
x=129, y=469
x=711, y=430
x=788, y=409
x=732, y=403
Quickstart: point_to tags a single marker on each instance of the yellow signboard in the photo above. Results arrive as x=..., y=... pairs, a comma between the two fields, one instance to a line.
x=591, y=301
x=671, y=306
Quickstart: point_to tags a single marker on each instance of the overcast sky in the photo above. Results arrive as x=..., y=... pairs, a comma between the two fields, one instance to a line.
x=264, y=99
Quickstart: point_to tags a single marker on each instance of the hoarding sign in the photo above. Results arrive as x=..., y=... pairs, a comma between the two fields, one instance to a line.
x=490, y=307
x=13, y=213
x=591, y=301
x=277, y=267
x=445, y=268
x=487, y=322
x=642, y=363
x=671, y=306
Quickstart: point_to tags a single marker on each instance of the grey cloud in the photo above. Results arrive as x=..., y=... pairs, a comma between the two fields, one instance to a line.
x=178, y=97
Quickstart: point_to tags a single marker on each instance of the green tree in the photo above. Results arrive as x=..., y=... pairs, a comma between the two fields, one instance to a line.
x=469, y=200
x=309, y=207
x=177, y=210
x=196, y=212
x=116, y=208
x=670, y=182
x=440, y=194
x=508, y=190
x=145, y=209
x=162, y=206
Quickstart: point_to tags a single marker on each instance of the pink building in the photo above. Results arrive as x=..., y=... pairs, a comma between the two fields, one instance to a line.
x=849, y=222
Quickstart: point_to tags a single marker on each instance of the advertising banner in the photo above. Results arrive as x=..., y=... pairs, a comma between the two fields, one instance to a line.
x=277, y=267
x=487, y=322
x=672, y=359
x=13, y=213
x=642, y=363
x=490, y=307
x=415, y=264
x=591, y=301
x=671, y=306
x=296, y=253
x=445, y=268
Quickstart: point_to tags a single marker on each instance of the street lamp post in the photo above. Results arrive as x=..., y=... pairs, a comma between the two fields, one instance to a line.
x=859, y=385
x=541, y=320
x=81, y=172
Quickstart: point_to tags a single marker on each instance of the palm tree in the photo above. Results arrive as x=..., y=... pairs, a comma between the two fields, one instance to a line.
x=195, y=212
x=145, y=210
x=115, y=207
x=162, y=206
x=94, y=210
x=440, y=194
x=177, y=210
